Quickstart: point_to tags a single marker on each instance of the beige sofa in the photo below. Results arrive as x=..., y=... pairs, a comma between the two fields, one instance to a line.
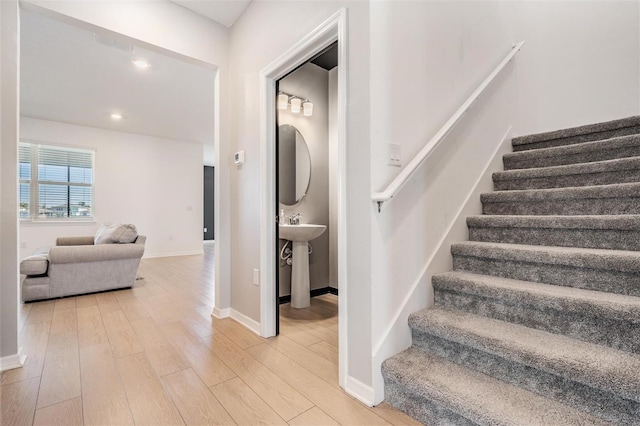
x=77, y=266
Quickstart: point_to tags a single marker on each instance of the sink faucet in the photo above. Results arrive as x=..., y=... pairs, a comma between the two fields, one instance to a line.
x=294, y=219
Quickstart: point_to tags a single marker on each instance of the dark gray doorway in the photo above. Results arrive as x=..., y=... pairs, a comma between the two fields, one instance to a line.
x=208, y=202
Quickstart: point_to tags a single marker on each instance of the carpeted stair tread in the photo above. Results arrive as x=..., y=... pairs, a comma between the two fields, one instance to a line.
x=588, y=152
x=523, y=142
x=582, y=174
x=594, y=365
x=617, y=260
x=475, y=396
x=615, y=222
x=567, y=299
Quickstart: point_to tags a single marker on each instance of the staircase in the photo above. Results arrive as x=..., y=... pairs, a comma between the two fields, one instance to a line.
x=539, y=321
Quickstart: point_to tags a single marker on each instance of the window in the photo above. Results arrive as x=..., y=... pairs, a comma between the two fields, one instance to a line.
x=55, y=182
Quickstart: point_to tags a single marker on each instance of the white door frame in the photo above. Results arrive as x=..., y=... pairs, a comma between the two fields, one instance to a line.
x=333, y=29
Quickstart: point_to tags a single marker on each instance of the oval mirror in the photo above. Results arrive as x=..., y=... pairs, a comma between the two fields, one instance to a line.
x=294, y=164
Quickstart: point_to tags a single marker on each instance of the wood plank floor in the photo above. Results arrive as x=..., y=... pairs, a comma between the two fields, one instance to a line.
x=154, y=355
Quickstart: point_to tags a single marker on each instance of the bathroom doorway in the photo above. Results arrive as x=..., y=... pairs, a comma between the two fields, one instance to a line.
x=332, y=30
x=306, y=189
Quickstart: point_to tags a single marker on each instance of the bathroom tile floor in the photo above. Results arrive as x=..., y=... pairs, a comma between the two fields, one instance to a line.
x=154, y=355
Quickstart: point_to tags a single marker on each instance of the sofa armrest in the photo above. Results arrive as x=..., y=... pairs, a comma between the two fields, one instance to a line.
x=75, y=241
x=78, y=254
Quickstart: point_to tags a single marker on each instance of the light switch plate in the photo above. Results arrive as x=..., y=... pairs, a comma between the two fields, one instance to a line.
x=256, y=277
x=393, y=156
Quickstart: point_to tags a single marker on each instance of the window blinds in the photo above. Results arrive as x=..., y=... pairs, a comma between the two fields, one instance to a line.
x=61, y=186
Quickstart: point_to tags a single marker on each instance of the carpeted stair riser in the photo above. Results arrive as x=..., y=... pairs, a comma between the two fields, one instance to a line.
x=421, y=409
x=577, y=139
x=570, y=276
x=598, y=402
x=617, y=199
x=599, y=173
x=611, y=149
x=580, y=134
x=577, y=361
x=616, y=232
x=601, y=270
x=613, y=239
x=581, y=326
x=464, y=396
x=606, y=206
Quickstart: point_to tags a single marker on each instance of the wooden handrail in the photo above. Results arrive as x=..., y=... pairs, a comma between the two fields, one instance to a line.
x=409, y=170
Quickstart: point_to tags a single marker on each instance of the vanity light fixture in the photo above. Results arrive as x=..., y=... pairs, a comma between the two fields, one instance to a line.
x=116, y=116
x=297, y=103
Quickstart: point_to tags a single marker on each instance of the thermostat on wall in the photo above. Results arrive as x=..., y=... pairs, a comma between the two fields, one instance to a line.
x=238, y=158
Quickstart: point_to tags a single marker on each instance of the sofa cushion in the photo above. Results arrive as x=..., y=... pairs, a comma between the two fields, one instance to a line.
x=36, y=264
x=116, y=233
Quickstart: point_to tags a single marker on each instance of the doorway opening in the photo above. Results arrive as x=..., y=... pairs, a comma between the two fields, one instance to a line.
x=332, y=31
x=306, y=170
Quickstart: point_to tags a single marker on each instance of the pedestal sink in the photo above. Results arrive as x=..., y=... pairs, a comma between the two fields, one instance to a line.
x=300, y=235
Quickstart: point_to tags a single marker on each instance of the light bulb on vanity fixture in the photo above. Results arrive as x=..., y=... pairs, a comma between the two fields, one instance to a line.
x=283, y=101
x=307, y=108
x=141, y=63
x=295, y=105
x=296, y=102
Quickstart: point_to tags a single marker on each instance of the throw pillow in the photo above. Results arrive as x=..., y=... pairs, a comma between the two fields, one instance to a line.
x=116, y=233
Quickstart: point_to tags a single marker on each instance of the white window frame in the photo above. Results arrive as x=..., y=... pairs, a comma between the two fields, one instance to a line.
x=34, y=202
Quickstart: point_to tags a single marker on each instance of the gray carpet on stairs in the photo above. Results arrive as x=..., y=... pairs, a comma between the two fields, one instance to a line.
x=575, y=135
x=617, y=232
x=539, y=323
x=589, y=152
x=624, y=170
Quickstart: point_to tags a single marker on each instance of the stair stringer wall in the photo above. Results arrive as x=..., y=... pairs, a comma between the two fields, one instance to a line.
x=397, y=336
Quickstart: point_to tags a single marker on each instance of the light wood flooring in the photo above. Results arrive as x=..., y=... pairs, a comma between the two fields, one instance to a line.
x=154, y=355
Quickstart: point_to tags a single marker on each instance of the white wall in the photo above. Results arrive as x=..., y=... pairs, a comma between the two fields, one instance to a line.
x=9, y=75
x=581, y=62
x=580, y=65
x=262, y=34
x=311, y=82
x=154, y=183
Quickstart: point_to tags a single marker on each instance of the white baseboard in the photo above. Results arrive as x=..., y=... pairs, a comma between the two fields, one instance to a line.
x=360, y=391
x=250, y=323
x=221, y=313
x=172, y=254
x=12, y=361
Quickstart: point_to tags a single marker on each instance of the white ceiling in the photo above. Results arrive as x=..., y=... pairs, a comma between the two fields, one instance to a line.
x=67, y=76
x=223, y=11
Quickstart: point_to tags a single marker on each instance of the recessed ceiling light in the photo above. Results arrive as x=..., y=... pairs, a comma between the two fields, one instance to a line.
x=116, y=116
x=141, y=63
